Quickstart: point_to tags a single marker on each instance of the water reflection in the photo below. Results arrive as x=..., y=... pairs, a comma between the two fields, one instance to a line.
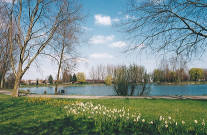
x=104, y=90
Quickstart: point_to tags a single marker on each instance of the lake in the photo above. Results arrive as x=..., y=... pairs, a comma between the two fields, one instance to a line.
x=104, y=90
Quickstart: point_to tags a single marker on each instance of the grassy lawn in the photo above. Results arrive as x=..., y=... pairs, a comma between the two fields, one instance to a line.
x=19, y=116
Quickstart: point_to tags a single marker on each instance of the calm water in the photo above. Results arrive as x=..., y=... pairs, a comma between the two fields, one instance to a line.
x=103, y=90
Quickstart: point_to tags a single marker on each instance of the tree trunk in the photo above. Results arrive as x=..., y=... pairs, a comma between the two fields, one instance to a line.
x=56, y=87
x=57, y=82
x=58, y=75
x=132, y=89
x=16, y=87
x=2, y=80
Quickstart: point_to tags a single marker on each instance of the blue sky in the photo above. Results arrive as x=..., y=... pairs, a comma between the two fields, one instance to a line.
x=105, y=43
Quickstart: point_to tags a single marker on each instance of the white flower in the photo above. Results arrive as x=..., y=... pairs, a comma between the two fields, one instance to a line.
x=183, y=122
x=151, y=122
x=176, y=123
x=81, y=104
x=169, y=117
x=143, y=120
x=160, y=118
x=74, y=111
x=196, y=121
x=134, y=120
x=96, y=108
x=104, y=113
x=165, y=122
x=66, y=107
x=203, y=122
x=166, y=126
x=138, y=118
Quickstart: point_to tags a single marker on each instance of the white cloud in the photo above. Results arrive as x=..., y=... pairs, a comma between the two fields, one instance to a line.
x=118, y=44
x=101, y=39
x=86, y=28
x=103, y=20
x=101, y=55
x=115, y=20
x=127, y=16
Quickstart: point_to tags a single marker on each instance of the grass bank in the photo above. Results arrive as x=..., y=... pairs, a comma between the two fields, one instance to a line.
x=64, y=116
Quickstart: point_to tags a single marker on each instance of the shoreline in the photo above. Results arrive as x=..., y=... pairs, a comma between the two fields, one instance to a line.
x=5, y=92
x=180, y=83
x=53, y=85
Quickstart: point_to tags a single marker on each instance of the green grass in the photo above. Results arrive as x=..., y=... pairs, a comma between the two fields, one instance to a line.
x=19, y=117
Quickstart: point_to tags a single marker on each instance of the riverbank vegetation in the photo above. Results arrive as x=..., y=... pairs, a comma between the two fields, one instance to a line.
x=86, y=116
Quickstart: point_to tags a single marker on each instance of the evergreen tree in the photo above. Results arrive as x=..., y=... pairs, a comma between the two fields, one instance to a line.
x=74, y=78
x=50, y=79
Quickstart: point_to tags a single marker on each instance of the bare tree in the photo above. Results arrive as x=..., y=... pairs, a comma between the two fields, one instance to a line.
x=66, y=37
x=102, y=70
x=92, y=73
x=5, y=65
x=109, y=70
x=37, y=21
x=4, y=55
x=174, y=25
x=98, y=72
x=66, y=76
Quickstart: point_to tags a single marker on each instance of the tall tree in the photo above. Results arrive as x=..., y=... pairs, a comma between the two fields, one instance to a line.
x=37, y=21
x=66, y=77
x=128, y=80
x=74, y=78
x=50, y=79
x=92, y=73
x=172, y=25
x=66, y=37
x=196, y=74
x=81, y=77
x=4, y=45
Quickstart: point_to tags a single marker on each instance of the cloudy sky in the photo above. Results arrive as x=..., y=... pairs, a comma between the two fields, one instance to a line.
x=105, y=42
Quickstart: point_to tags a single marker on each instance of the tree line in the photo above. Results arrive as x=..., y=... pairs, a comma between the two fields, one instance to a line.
x=176, y=70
